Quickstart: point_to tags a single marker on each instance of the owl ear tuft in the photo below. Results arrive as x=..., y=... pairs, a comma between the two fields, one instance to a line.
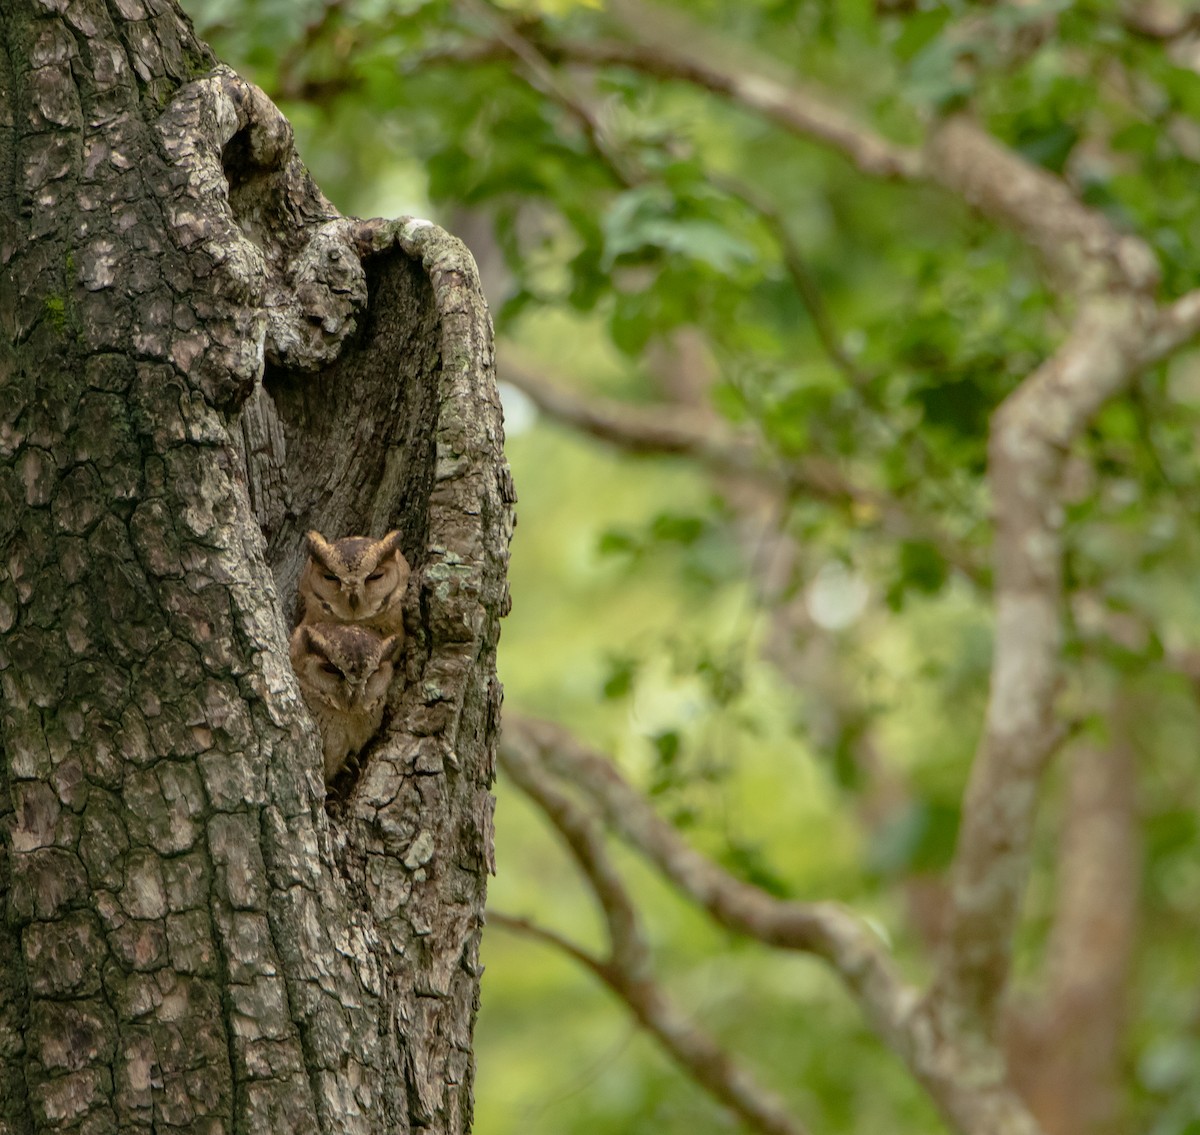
x=390, y=543
x=321, y=550
x=315, y=641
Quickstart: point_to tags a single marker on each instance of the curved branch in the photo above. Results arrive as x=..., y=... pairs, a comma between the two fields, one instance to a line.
x=1112, y=275
x=539, y=73
x=544, y=934
x=663, y=430
x=798, y=111
x=1079, y=246
x=1178, y=325
x=627, y=943
x=802, y=278
x=1065, y=1050
x=964, y=1076
x=672, y=429
x=825, y=929
x=628, y=970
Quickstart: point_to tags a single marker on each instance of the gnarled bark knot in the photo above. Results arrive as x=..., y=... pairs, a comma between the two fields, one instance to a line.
x=303, y=286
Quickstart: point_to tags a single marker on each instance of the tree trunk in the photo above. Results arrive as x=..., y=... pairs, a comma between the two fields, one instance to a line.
x=200, y=360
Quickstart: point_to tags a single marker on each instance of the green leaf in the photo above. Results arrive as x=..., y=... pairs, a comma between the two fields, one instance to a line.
x=678, y=528
x=730, y=402
x=1050, y=146
x=920, y=29
x=630, y=325
x=648, y=218
x=920, y=568
x=589, y=282
x=667, y=746
x=938, y=76
x=748, y=862
x=617, y=542
x=622, y=671
x=917, y=839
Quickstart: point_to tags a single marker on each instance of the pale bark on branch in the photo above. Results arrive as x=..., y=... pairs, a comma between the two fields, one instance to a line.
x=812, y=114
x=1066, y=1049
x=802, y=112
x=1117, y=329
x=1111, y=277
x=1177, y=324
x=1108, y=280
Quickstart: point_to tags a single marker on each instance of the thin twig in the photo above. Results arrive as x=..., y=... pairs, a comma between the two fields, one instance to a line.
x=798, y=271
x=1112, y=276
x=1178, y=324
x=540, y=74
x=560, y=942
x=800, y=112
x=825, y=929
x=585, y=841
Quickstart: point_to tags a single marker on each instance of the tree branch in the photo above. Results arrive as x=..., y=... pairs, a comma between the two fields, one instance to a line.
x=550, y=937
x=1080, y=248
x=825, y=929
x=1112, y=276
x=671, y=429
x=964, y=1076
x=1066, y=1051
x=543, y=77
x=798, y=271
x=628, y=970
x=1178, y=325
x=585, y=841
x=798, y=111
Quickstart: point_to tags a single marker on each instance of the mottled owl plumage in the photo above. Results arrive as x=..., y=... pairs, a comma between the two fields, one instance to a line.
x=344, y=674
x=355, y=580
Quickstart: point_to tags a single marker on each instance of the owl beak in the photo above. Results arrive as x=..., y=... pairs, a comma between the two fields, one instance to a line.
x=354, y=599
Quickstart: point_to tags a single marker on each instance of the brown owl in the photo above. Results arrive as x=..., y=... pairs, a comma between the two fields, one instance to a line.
x=356, y=581
x=344, y=674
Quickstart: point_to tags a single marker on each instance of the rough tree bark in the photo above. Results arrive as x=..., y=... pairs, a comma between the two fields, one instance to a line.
x=200, y=360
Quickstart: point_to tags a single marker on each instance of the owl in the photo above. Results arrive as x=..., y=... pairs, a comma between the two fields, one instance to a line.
x=356, y=581
x=344, y=674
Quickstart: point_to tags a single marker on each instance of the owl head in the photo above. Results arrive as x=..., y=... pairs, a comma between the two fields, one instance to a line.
x=347, y=668
x=354, y=579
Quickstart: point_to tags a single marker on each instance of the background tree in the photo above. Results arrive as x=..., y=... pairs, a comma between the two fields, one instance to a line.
x=201, y=360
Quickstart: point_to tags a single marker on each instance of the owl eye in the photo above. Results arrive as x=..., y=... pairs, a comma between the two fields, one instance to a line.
x=330, y=668
x=329, y=577
x=375, y=577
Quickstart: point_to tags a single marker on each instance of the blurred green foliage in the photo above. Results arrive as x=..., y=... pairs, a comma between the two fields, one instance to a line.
x=640, y=617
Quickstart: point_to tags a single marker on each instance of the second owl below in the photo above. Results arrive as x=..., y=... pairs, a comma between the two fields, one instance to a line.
x=344, y=674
